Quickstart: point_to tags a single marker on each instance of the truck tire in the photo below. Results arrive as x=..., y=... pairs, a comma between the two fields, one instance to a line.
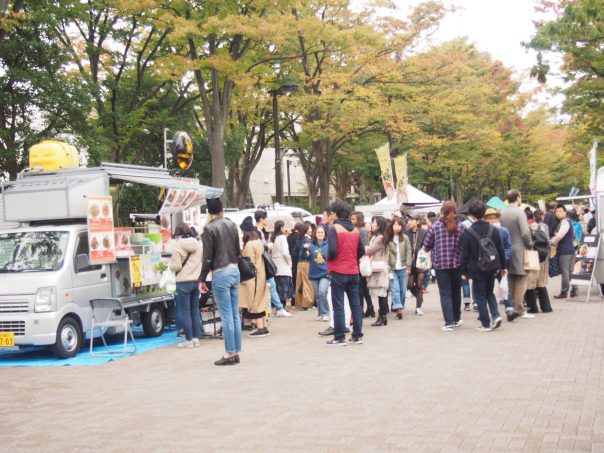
x=69, y=339
x=154, y=321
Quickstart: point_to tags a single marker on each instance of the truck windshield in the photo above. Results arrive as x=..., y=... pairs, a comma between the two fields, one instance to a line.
x=32, y=251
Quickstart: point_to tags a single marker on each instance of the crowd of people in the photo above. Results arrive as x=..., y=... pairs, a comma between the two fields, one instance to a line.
x=348, y=269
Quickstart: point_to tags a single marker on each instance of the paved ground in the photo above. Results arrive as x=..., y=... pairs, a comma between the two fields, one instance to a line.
x=534, y=385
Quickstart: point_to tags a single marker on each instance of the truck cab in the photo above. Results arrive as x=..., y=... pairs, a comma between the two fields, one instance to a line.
x=47, y=283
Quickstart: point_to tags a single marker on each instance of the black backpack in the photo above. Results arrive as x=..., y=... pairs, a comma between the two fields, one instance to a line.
x=540, y=243
x=488, y=256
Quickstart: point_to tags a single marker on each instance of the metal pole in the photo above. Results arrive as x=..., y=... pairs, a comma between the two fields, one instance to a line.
x=278, y=176
x=289, y=187
x=165, y=147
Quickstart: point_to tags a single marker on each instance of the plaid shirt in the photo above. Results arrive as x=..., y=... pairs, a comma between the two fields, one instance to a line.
x=446, y=247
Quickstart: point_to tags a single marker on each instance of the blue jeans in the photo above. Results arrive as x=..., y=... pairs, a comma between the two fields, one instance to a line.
x=485, y=299
x=465, y=287
x=274, y=295
x=187, y=306
x=449, y=288
x=398, y=287
x=349, y=284
x=225, y=287
x=321, y=287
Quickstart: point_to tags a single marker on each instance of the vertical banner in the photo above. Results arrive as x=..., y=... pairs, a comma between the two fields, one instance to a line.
x=383, y=155
x=101, y=239
x=402, y=178
x=593, y=163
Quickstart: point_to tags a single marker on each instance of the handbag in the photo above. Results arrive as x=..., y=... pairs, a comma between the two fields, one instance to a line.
x=270, y=268
x=247, y=270
x=365, y=266
x=554, y=267
x=378, y=266
x=423, y=261
x=531, y=260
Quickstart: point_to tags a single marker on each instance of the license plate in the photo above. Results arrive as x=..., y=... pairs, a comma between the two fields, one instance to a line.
x=7, y=339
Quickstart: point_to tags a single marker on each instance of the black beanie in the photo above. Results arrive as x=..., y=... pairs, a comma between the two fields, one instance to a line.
x=214, y=205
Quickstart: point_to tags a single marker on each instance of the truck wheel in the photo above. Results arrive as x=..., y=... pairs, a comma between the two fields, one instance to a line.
x=69, y=339
x=153, y=321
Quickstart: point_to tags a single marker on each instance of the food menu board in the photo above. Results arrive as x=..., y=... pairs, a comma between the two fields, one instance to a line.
x=181, y=199
x=101, y=241
x=123, y=248
x=585, y=258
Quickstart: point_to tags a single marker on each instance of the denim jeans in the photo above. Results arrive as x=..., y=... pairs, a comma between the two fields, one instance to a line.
x=346, y=284
x=465, y=288
x=398, y=287
x=187, y=306
x=225, y=287
x=274, y=295
x=449, y=288
x=427, y=278
x=485, y=299
x=320, y=288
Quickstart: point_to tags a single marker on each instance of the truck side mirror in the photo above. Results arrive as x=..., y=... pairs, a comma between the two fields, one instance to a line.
x=81, y=262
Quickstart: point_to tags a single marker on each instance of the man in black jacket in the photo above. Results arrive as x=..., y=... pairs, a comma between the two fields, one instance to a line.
x=482, y=282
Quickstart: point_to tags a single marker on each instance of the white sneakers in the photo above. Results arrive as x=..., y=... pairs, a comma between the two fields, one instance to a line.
x=447, y=328
x=528, y=316
x=186, y=344
x=283, y=313
x=419, y=312
x=483, y=329
x=325, y=318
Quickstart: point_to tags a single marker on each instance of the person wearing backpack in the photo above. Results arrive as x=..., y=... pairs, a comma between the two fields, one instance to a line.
x=482, y=259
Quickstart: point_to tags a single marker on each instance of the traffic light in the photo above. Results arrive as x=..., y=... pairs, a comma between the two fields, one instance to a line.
x=182, y=150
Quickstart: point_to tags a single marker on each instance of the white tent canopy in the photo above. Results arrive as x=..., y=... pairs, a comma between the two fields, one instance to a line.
x=417, y=201
x=415, y=197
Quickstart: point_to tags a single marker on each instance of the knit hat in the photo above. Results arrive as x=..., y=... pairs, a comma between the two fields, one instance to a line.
x=247, y=224
x=214, y=205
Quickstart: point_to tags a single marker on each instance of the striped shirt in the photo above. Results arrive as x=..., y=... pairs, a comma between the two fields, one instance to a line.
x=446, y=247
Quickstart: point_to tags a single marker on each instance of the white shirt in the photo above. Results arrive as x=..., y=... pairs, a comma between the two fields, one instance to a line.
x=399, y=263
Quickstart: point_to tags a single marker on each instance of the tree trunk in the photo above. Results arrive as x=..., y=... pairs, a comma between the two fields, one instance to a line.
x=243, y=189
x=216, y=141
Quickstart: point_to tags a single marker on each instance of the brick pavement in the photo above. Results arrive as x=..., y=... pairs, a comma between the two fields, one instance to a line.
x=532, y=386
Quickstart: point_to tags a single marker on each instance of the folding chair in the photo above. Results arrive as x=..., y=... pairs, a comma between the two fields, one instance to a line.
x=112, y=319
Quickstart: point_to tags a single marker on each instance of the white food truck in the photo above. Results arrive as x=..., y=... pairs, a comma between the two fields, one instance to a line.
x=48, y=270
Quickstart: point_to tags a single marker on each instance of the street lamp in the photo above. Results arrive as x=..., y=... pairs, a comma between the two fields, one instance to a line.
x=283, y=89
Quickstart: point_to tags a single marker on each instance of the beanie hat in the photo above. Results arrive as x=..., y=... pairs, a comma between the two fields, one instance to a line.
x=214, y=205
x=247, y=224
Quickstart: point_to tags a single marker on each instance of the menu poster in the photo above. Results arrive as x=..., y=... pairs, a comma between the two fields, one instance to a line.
x=136, y=271
x=181, y=199
x=585, y=258
x=150, y=268
x=123, y=249
x=101, y=241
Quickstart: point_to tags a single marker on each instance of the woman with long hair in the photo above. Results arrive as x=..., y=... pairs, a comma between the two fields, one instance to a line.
x=186, y=264
x=399, y=263
x=358, y=220
x=318, y=273
x=444, y=241
x=416, y=236
x=378, y=283
x=253, y=294
x=283, y=260
x=305, y=297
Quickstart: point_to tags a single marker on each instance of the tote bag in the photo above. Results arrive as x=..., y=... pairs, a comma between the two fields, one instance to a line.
x=554, y=267
x=365, y=266
x=531, y=260
x=424, y=260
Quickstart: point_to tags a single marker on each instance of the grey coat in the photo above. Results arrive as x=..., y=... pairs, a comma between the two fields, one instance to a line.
x=514, y=219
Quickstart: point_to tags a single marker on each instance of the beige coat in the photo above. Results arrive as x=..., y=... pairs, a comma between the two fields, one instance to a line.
x=281, y=256
x=514, y=219
x=377, y=251
x=191, y=248
x=258, y=302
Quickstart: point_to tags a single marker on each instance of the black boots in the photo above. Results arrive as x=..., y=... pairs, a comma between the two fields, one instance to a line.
x=544, y=303
x=531, y=300
x=574, y=292
x=381, y=321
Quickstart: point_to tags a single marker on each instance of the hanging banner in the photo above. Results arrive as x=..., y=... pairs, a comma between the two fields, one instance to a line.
x=402, y=178
x=383, y=155
x=181, y=199
x=101, y=241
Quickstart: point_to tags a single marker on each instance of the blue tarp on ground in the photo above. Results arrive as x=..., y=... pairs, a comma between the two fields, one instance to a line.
x=496, y=203
x=41, y=356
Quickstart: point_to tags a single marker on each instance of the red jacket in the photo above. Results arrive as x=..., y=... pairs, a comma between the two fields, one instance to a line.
x=345, y=248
